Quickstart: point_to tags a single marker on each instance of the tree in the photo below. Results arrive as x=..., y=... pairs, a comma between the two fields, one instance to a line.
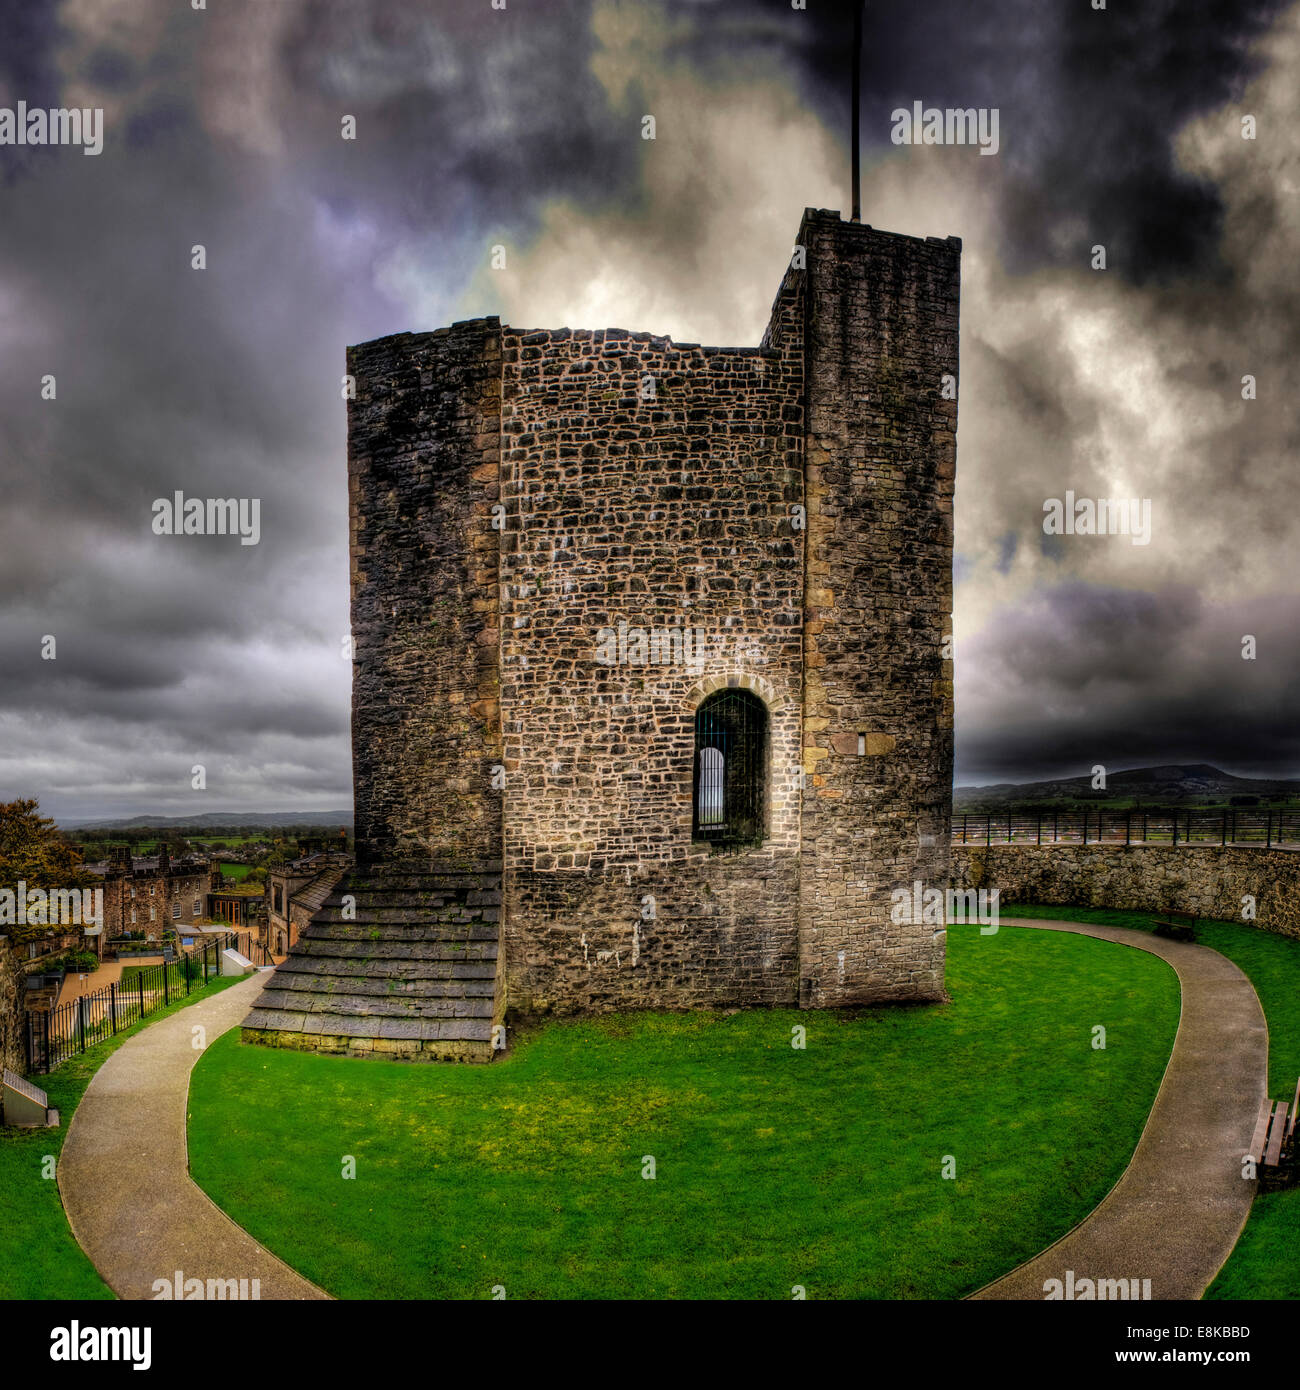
x=33, y=849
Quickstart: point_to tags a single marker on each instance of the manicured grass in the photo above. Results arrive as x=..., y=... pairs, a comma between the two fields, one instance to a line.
x=235, y=871
x=775, y=1167
x=1264, y=1263
x=38, y=1256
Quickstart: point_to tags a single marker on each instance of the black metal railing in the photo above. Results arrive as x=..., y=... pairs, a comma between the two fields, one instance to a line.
x=69, y=1029
x=1193, y=827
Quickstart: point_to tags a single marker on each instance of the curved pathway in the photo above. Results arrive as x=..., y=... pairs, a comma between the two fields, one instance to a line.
x=1173, y=1217
x=1178, y=1209
x=124, y=1172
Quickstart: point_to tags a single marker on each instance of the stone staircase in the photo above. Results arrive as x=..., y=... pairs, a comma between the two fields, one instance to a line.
x=411, y=974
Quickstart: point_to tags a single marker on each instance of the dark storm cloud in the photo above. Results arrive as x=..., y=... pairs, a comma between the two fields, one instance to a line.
x=1081, y=675
x=1088, y=100
x=223, y=129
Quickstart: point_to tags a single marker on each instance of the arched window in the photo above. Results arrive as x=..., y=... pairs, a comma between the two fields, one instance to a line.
x=730, y=769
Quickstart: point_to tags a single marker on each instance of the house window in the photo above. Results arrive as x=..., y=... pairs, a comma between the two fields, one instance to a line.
x=152, y=914
x=176, y=912
x=133, y=891
x=730, y=786
x=151, y=888
x=275, y=898
x=197, y=907
x=133, y=916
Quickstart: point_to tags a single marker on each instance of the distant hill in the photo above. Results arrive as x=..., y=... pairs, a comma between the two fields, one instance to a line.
x=1192, y=784
x=221, y=820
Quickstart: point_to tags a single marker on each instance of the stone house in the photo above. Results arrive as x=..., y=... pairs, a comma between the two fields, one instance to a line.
x=652, y=697
x=152, y=894
x=295, y=892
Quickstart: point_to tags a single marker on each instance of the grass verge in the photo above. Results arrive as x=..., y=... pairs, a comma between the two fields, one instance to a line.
x=773, y=1166
x=1263, y=1264
x=39, y=1258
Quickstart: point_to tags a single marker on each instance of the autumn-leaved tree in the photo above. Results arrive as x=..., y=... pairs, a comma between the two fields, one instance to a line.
x=32, y=849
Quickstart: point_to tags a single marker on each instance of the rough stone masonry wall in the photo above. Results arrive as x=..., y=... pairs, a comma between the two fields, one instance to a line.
x=882, y=321
x=423, y=449
x=1206, y=880
x=671, y=512
x=12, y=1046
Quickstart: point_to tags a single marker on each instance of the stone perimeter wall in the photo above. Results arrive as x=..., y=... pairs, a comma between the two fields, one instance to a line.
x=1206, y=880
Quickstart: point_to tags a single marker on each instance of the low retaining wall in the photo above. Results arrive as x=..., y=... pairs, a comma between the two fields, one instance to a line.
x=1206, y=880
x=11, y=1011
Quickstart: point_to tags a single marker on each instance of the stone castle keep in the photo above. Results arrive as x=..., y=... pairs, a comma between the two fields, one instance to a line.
x=650, y=705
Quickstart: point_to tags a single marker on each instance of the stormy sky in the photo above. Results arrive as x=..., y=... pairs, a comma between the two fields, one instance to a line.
x=521, y=126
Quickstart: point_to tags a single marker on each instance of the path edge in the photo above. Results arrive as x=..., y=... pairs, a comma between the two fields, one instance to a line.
x=1062, y=924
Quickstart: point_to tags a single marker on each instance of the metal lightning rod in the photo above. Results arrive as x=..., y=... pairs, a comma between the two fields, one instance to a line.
x=857, y=92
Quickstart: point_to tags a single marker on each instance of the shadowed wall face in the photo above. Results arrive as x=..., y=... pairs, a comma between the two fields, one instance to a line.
x=423, y=446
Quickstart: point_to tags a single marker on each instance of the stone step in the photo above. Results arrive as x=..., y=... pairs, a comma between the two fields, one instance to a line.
x=439, y=885
x=409, y=972
x=395, y=969
x=446, y=921
x=411, y=927
x=441, y=987
x=397, y=950
x=423, y=1029
x=370, y=1006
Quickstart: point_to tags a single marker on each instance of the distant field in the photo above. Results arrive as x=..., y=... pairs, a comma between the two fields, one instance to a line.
x=95, y=849
x=236, y=871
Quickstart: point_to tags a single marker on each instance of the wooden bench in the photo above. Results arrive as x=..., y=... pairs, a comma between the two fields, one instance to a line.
x=1273, y=1144
x=1178, y=925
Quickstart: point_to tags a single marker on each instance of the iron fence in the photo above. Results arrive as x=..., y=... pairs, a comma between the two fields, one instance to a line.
x=69, y=1029
x=1206, y=826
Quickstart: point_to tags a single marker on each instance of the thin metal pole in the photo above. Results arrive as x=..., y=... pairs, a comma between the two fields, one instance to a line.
x=857, y=88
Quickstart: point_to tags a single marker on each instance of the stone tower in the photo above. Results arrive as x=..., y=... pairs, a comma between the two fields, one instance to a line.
x=592, y=570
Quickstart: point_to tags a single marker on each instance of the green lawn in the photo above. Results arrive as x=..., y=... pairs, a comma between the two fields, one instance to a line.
x=152, y=975
x=38, y=1256
x=775, y=1167
x=1264, y=1263
x=238, y=872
